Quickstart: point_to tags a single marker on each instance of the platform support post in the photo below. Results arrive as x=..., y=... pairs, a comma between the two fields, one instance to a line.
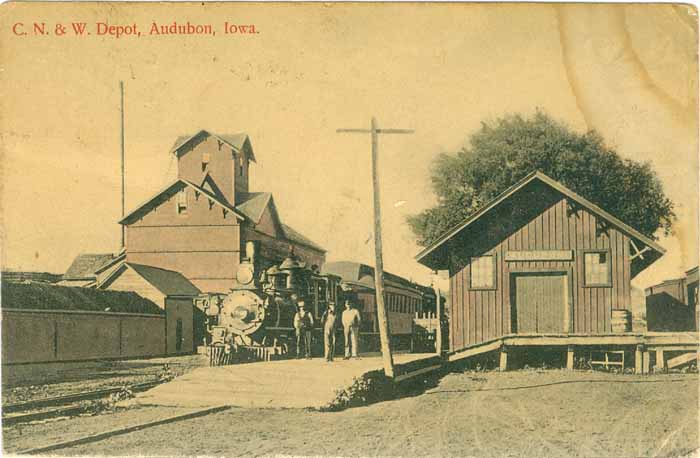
x=660, y=360
x=570, y=357
x=503, y=365
x=646, y=362
x=638, y=359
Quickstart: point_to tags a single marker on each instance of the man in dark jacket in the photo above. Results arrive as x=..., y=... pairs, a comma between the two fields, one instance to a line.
x=303, y=324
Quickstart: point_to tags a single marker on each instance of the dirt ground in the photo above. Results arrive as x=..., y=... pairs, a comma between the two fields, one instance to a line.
x=519, y=413
x=94, y=375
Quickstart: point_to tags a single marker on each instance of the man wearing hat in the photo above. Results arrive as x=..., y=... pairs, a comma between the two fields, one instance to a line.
x=303, y=324
x=351, y=326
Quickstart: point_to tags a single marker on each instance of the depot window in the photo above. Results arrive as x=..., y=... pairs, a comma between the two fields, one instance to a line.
x=182, y=202
x=483, y=272
x=596, y=268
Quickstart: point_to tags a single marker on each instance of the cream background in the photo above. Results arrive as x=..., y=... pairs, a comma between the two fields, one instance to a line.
x=629, y=71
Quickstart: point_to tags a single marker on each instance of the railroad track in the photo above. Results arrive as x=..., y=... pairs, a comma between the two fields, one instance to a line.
x=124, y=430
x=61, y=406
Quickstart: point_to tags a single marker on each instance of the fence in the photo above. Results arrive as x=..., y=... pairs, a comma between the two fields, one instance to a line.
x=38, y=336
x=425, y=326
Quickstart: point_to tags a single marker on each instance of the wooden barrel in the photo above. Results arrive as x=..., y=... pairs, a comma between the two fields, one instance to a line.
x=621, y=320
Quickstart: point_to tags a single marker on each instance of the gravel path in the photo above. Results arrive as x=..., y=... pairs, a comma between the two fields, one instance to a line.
x=524, y=413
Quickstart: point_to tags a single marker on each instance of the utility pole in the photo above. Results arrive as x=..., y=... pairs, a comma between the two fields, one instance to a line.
x=121, y=92
x=384, y=334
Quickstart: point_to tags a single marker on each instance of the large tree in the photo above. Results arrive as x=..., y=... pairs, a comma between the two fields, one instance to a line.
x=504, y=151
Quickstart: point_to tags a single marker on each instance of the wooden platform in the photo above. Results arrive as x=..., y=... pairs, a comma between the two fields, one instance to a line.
x=644, y=345
x=276, y=384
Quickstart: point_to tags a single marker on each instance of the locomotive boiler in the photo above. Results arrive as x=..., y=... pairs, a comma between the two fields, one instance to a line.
x=256, y=317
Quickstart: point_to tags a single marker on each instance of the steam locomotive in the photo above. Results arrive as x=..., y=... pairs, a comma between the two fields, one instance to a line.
x=256, y=317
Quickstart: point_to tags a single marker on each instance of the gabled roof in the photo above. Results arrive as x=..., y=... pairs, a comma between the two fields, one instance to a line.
x=235, y=141
x=432, y=255
x=253, y=204
x=207, y=180
x=116, y=259
x=85, y=266
x=295, y=236
x=168, y=282
x=168, y=192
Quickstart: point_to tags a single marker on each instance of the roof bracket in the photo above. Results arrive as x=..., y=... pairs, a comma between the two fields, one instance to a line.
x=225, y=212
x=211, y=204
x=221, y=144
x=601, y=226
x=572, y=208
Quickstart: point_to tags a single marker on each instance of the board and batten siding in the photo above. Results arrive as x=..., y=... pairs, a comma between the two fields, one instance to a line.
x=203, y=244
x=480, y=315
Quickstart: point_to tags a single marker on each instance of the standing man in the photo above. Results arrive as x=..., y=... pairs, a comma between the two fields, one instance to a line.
x=351, y=326
x=328, y=320
x=303, y=324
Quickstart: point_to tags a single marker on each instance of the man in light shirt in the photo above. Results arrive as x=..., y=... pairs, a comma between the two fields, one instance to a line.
x=351, y=326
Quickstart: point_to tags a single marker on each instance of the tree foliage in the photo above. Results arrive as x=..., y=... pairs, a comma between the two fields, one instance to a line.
x=504, y=151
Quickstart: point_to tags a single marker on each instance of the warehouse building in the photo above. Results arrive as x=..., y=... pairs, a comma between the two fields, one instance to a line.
x=540, y=266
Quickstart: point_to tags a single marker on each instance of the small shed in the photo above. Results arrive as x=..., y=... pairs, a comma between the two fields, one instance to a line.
x=83, y=270
x=673, y=304
x=171, y=291
x=538, y=260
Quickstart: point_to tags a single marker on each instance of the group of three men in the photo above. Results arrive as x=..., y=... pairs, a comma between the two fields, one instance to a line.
x=304, y=323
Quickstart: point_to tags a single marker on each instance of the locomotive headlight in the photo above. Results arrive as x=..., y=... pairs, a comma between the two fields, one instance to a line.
x=244, y=275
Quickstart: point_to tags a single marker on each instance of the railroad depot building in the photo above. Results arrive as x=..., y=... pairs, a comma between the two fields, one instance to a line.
x=540, y=265
x=199, y=224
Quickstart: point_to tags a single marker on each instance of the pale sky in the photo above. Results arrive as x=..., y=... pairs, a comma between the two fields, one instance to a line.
x=628, y=71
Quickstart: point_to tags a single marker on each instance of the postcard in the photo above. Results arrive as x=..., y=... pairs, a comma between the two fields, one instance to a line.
x=349, y=229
